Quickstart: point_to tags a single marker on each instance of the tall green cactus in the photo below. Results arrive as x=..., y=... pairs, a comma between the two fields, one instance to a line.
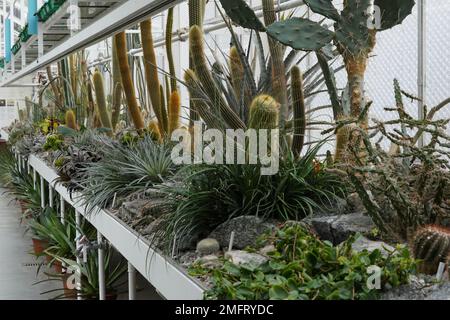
x=102, y=105
x=164, y=115
x=431, y=244
x=151, y=72
x=264, y=113
x=279, y=86
x=196, y=16
x=201, y=68
x=298, y=103
x=169, y=30
x=117, y=87
x=127, y=82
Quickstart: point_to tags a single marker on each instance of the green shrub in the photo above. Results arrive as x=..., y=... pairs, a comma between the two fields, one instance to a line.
x=303, y=267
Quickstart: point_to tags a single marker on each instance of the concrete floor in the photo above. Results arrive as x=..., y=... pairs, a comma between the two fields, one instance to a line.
x=18, y=268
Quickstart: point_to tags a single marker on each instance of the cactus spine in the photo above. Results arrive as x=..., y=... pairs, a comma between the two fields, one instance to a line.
x=151, y=71
x=196, y=16
x=174, y=111
x=169, y=29
x=71, y=120
x=117, y=88
x=298, y=101
x=279, y=87
x=101, y=100
x=264, y=113
x=431, y=244
x=203, y=73
x=127, y=82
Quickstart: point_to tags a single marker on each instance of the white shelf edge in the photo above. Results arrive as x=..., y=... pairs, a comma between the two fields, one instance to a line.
x=164, y=275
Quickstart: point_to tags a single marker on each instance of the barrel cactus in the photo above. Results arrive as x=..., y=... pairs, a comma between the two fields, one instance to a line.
x=431, y=244
x=71, y=120
x=264, y=112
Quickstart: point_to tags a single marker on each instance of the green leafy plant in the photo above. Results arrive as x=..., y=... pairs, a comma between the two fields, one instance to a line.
x=54, y=142
x=303, y=267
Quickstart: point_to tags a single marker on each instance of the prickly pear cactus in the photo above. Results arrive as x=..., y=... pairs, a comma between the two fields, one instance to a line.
x=393, y=12
x=300, y=34
x=323, y=7
x=242, y=14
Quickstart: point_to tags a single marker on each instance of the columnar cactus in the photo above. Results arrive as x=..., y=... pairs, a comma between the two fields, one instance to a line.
x=127, y=82
x=264, y=113
x=298, y=102
x=201, y=68
x=431, y=244
x=71, y=120
x=101, y=100
x=169, y=29
x=151, y=71
x=237, y=73
x=117, y=87
x=153, y=128
x=196, y=16
x=164, y=115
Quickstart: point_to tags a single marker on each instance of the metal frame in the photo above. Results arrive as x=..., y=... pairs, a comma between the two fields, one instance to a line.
x=163, y=273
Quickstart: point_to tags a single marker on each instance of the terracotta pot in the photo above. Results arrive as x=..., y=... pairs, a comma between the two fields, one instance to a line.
x=39, y=246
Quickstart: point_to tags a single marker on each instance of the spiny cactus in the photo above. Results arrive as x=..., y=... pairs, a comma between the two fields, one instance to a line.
x=164, y=116
x=342, y=139
x=201, y=68
x=279, y=86
x=174, y=111
x=264, y=113
x=127, y=82
x=71, y=120
x=196, y=16
x=101, y=100
x=117, y=87
x=169, y=29
x=431, y=244
x=153, y=128
x=237, y=73
x=151, y=71
x=298, y=102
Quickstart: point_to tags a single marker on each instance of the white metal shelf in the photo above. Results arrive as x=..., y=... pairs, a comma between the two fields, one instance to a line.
x=121, y=16
x=169, y=279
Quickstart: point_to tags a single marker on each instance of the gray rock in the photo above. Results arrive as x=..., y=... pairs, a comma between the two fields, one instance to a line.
x=267, y=249
x=419, y=288
x=247, y=230
x=339, y=228
x=242, y=257
x=207, y=247
x=362, y=243
x=354, y=203
x=209, y=261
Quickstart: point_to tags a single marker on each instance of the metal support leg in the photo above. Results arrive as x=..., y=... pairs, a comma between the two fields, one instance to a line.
x=101, y=268
x=42, y=192
x=78, y=235
x=131, y=282
x=50, y=195
x=34, y=178
x=63, y=210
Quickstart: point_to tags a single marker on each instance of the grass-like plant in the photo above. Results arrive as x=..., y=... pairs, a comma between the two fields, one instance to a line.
x=125, y=170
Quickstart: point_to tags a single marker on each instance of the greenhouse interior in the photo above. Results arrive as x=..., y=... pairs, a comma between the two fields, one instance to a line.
x=224, y=150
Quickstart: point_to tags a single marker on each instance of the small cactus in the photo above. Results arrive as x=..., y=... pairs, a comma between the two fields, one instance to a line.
x=431, y=244
x=71, y=120
x=174, y=111
x=264, y=113
x=155, y=133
